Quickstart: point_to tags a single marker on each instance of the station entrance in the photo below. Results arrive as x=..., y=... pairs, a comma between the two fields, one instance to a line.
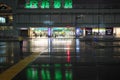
x=62, y=32
x=69, y=32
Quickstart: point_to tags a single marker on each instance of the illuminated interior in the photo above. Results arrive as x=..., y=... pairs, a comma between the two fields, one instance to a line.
x=38, y=32
x=69, y=32
x=63, y=31
x=2, y=20
x=117, y=31
x=54, y=32
x=100, y=31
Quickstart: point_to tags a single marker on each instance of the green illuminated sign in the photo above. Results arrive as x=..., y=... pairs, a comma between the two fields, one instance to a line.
x=32, y=4
x=67, y=3
x=57, y=3
x=45, y=4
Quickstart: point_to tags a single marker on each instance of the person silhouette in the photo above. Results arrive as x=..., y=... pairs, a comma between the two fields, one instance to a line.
x=21, y=45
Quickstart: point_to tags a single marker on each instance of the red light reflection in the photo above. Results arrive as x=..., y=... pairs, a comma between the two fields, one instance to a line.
x=68, y=53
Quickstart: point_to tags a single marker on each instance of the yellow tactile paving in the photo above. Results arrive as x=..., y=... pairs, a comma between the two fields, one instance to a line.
x=14, y=70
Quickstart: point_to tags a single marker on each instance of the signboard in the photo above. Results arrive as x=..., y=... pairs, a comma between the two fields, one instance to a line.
x=109, y=31
x=67, y=3
x=31, y=4
x=45, y=4
x=57, y=3
x=88, y=31
x=48, y=4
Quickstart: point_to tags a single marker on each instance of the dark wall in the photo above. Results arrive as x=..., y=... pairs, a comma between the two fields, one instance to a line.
x=65, y=19
x=96, y=4
x=24, y=33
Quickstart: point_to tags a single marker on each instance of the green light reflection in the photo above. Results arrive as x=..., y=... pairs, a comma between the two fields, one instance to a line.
x=58, y=74
x=45, y=74
x=68, y=75
x=57, y=65
x=32, y=74
x=45, y=65
x=68, y=65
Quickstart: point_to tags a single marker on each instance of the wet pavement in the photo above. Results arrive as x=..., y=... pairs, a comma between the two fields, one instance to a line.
x=64, y=59
x=9, y=54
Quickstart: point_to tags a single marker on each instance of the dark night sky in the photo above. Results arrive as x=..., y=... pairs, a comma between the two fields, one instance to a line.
x=101, y=3
x=92, y=1
x=97, y=1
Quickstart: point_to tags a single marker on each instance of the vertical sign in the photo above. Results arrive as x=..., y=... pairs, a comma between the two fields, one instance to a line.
x=49, y=32
x=77, y=31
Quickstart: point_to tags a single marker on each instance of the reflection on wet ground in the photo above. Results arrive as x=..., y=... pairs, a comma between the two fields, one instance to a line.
x=64, y=59
x=8, y=54
x=68, y=71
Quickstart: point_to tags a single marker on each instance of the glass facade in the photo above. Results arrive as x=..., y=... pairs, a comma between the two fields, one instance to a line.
x=91, y=21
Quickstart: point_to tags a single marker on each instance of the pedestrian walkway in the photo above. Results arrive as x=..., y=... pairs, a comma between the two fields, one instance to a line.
x=14, y=70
